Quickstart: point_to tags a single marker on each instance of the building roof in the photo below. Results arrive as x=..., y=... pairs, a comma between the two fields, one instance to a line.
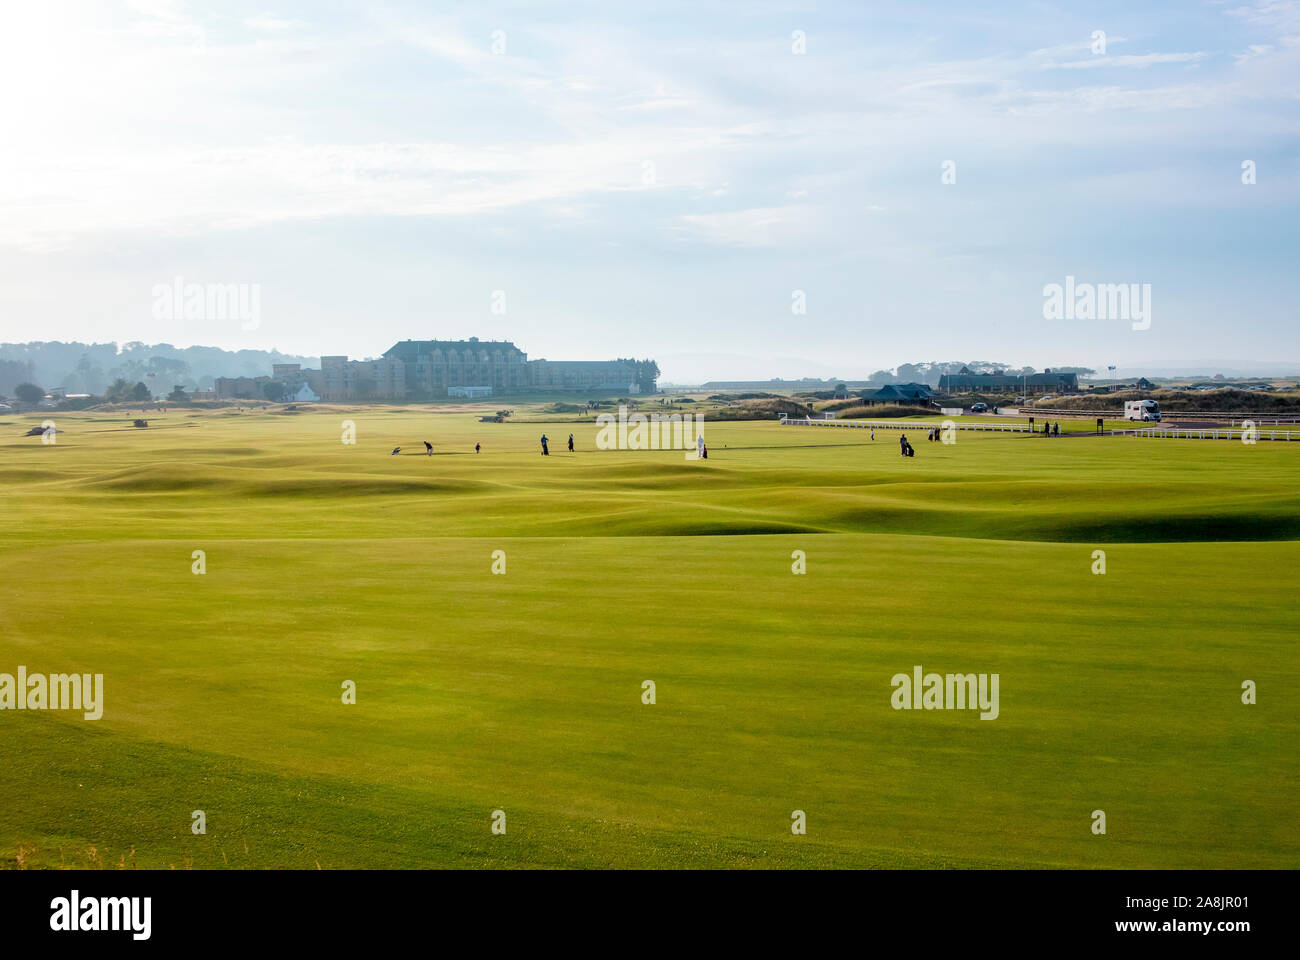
x=901, y=391
x=410, y=350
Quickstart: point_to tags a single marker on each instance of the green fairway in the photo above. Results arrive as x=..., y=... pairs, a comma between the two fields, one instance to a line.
x=478, y=691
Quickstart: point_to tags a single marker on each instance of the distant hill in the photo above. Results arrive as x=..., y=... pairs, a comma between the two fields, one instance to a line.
x=91, y=367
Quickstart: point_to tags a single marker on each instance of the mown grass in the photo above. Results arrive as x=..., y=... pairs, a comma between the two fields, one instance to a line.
x=522, y=692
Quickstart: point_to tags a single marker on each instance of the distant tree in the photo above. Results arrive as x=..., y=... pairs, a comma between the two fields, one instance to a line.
x=644, y=372
x=88, y=377
x=14, y=372
x=988, y=366
x=141, y=393
x=178, y=394
x=273, y=390
x=649, y=376
x=912, y=372
x=29, y=393
x=119, y=391
x=90, y=367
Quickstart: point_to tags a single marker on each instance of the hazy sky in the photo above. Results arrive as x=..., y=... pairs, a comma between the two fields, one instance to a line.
x=658, y=179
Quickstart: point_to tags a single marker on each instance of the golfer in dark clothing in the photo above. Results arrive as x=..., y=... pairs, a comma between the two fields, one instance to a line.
x=571, y=443
x=545, y=451
x=476, y=448
x=902, y=444
x=428, y=447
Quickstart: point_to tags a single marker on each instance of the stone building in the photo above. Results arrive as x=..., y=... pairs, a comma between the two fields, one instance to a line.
x=416, y=370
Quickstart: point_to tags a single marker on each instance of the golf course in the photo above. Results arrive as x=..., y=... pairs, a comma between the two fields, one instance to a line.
x=498, y=615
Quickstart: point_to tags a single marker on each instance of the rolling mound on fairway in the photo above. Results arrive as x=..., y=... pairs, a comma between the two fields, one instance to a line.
x=520, y=687
x=344, y=487
x=29, y=475
x=988, y=489
x=243, y=482
x=166, y=478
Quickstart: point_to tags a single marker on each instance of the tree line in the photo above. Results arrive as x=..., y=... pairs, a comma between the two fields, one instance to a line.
x=96, y=368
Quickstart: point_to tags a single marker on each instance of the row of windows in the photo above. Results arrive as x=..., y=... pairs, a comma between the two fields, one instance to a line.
x=467, y=358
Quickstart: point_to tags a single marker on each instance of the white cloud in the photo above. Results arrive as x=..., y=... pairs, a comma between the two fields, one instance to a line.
x=269, y=23
x=781, y=226
x=146, y=132
x=1130, y=60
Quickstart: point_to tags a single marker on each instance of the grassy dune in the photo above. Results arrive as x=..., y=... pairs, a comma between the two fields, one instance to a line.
x=476, y=692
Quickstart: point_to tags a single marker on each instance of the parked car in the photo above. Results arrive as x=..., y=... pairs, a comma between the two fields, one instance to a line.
x=979, y=407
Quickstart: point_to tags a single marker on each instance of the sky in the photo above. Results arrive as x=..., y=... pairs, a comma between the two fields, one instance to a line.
x=738, y=190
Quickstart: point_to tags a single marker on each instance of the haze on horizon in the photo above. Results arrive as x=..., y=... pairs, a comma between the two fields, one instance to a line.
x=659, y=183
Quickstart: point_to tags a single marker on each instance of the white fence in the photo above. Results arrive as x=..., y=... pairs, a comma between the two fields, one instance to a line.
x=904, y=425
x=1159, y=433
x=1222, y=433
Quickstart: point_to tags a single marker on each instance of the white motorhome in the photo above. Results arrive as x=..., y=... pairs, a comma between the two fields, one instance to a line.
x=1141, y=410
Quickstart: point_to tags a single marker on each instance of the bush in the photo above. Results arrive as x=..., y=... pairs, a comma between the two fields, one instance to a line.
x=763, y=410
x=846, y=404
x=884, y=412
x=1227, y=400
